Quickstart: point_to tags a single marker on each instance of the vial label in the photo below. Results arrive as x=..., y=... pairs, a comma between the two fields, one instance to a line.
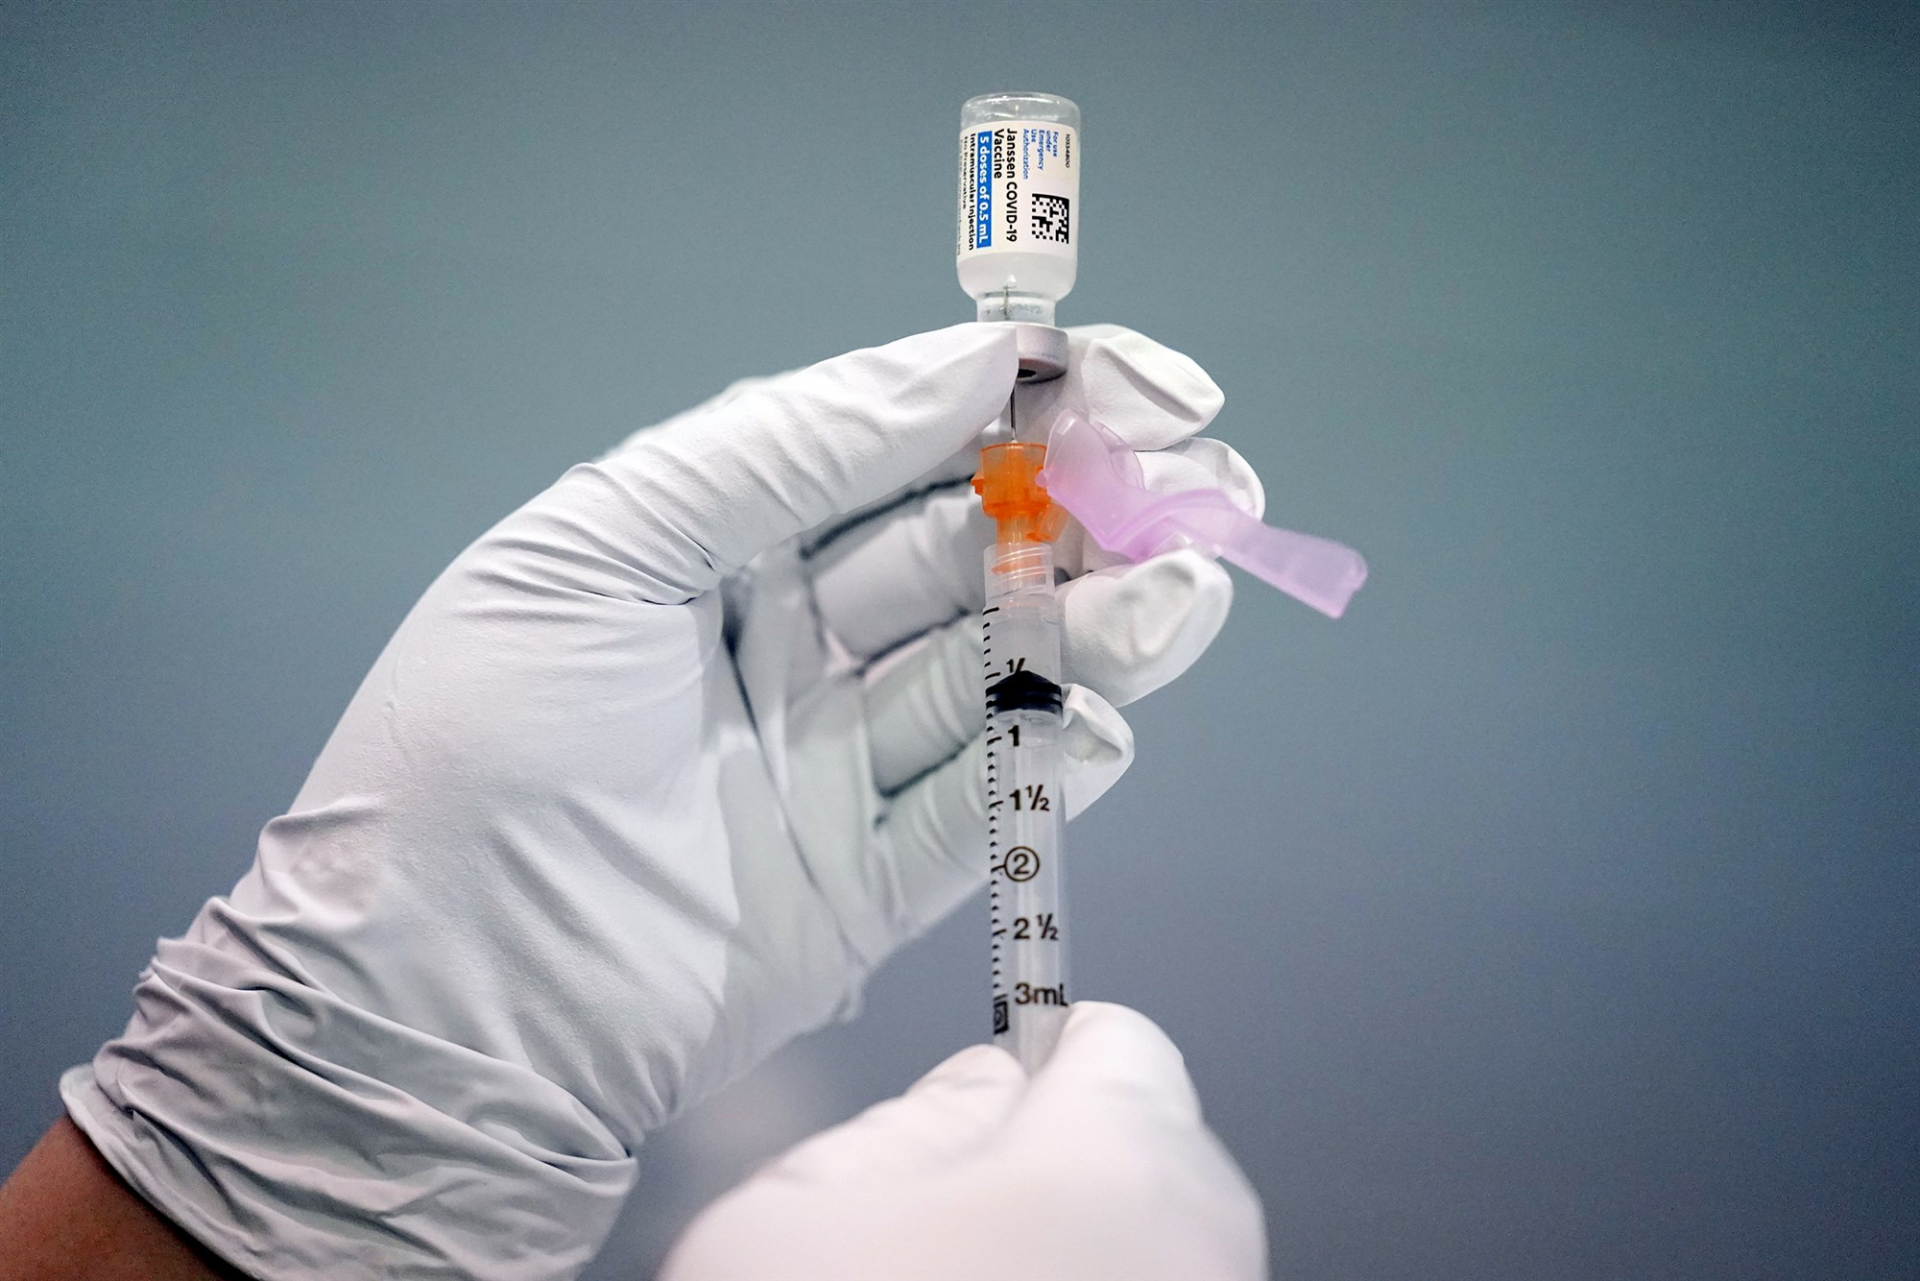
x=1019, y=188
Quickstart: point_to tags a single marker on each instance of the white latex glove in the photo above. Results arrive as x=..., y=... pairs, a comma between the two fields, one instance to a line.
x=1101, y=1170
x=623, y=807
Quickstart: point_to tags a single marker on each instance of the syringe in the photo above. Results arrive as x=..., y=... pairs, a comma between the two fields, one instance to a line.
x=1016, y=250
x=1026, y=809
x=1016, y=247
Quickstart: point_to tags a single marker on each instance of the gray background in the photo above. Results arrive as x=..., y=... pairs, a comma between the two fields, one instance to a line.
x=1553, y=914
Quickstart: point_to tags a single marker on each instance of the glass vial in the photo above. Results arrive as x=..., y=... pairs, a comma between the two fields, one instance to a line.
x=1019, y=230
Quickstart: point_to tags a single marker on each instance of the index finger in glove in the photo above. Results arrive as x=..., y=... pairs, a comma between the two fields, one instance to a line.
x=680, y=507
x=915, y=564
x=1145, y=392
x=1150, y=395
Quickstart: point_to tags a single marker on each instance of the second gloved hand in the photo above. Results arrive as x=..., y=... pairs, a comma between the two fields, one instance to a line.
x=1100, y=1169
x=645, y=785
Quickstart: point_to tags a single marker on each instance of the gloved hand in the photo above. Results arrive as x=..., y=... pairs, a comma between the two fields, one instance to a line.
x=648, y=781
x=1100, y=1169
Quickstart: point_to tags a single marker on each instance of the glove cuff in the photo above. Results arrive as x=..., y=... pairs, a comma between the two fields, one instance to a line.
x=244, y=1105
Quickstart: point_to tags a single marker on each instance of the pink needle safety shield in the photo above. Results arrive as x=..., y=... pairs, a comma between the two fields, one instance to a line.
x=1095, y=475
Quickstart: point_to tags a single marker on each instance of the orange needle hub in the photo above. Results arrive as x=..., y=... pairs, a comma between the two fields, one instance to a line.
x=1010, y=491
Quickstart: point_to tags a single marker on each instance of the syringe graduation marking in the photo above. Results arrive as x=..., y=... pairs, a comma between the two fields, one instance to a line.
x=1023, y=703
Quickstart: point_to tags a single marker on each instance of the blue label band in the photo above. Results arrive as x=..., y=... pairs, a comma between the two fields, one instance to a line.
x=983, y=189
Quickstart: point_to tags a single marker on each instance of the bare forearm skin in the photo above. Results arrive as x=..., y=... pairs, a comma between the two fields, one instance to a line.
x=65, y=1214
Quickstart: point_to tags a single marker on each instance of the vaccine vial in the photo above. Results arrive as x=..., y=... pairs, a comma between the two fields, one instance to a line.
x=1019, y=230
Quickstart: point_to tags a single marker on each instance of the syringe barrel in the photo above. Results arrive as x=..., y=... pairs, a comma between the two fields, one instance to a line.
x=1026, y=808
x=1017, y=244
x=1021, y=574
